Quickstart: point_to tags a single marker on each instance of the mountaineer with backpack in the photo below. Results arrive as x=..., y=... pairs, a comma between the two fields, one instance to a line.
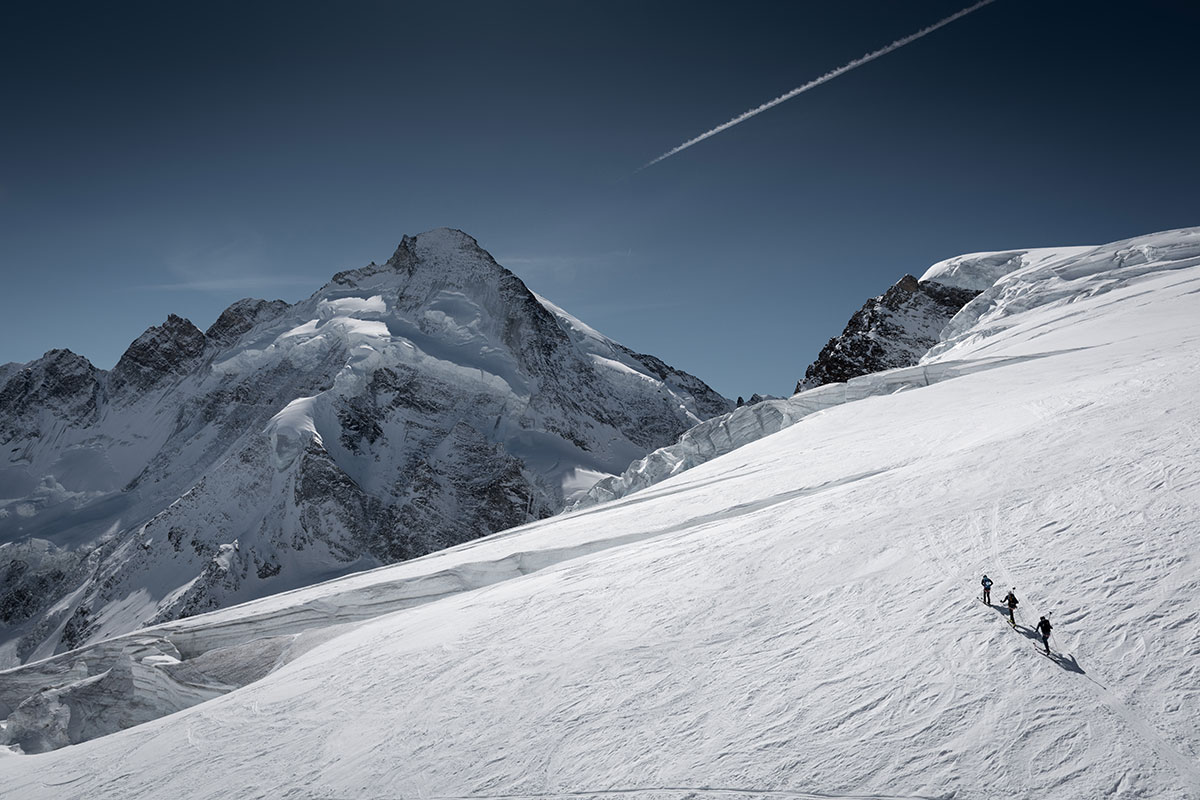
x=987, y=589
x=1044, y=627
x=1011, y=601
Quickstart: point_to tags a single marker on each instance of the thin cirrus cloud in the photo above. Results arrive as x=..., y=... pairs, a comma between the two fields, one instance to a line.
x=828, y=76
x=231, y=283
x=232, y=266
x=559, y=263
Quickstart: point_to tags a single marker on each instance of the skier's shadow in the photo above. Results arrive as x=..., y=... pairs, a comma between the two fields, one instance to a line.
x=1064, y=660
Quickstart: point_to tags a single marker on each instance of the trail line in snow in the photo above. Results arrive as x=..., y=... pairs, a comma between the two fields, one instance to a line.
x=1188, y=771
x=694, y=790
x=1183, y=765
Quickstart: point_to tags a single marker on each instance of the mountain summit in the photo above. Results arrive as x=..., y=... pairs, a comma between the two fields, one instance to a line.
x=401, y=409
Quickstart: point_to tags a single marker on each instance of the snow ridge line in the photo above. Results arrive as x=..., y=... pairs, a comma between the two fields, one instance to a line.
x=724, y=434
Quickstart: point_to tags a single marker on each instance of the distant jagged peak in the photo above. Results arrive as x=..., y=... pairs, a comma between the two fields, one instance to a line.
x=60, y=379
x=162, y=350
x=175, y=331
x=437, y=244
x=61, y=359
x=241, y=316
x=54, y=367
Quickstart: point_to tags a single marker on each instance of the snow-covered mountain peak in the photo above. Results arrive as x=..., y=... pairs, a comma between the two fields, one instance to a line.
x=399, y=409
x=444, y=256
x=437, y=244
x=440, y=297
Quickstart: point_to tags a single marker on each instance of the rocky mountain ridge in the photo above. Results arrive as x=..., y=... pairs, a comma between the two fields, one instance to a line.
x=892, y=330
x=402, y=408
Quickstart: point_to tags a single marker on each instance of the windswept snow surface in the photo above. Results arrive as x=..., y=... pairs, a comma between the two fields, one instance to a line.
x=980, y=271
x=797, y=618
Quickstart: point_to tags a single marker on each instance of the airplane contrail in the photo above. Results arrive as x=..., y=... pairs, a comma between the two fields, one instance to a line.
x=828, y=76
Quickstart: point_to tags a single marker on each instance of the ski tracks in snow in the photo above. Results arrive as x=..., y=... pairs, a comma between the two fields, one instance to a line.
x=1187, y=770
x=685, y=793
x=985, y=537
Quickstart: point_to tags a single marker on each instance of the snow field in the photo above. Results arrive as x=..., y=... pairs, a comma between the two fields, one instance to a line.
x=796, y=618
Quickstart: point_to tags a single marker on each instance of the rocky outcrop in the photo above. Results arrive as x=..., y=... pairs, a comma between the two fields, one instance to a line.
x=61, y=383
x=162, y=351
x=892, y=330
x=241, y=317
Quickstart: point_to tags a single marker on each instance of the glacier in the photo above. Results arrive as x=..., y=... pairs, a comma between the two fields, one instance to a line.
x=798, y=617
x=404, y=407
x=1001, y=279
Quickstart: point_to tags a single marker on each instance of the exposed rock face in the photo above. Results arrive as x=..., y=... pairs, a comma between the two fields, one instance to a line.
x=241, y=317
x=61, y=383
x=402, y=408
x=889, y=331
x=163, y=350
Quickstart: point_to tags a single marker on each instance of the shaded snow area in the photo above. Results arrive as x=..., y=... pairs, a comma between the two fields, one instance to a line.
x=798, y=618
x=403, y=408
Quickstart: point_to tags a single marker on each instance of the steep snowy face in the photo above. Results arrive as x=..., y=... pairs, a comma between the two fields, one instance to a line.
x=889, y=331
x=403, y=408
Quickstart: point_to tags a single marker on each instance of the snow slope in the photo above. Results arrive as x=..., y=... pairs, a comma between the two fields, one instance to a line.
x=796, y=618
x=402, y=408
x=1007, y=275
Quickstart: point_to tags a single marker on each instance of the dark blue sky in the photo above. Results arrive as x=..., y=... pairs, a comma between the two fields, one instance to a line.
x=171, y=158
